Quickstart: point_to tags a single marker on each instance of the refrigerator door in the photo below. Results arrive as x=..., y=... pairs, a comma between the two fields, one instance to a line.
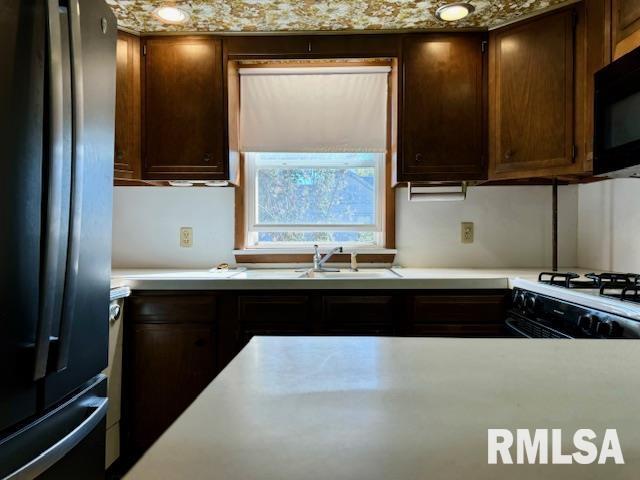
x=22, y=112
x=68, y=442
x=81, y=350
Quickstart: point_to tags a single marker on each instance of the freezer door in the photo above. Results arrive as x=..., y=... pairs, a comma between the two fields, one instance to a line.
x=81, y=349
x=22, y=96
x=66, y=443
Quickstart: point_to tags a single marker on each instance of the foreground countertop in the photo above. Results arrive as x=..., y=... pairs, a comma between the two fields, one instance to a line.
x=287, y=279
x=288, y=408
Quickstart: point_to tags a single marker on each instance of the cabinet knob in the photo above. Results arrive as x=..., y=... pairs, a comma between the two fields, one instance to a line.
x=119, y=154
x=419, y=158
x=207, y=157
x=508, y=155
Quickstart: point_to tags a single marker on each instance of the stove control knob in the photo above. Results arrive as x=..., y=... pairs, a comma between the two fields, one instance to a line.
x=616, y=330
x=530, y=303
x=609, y=329
x=518, y=300
x=586, y=323
x=603, y=329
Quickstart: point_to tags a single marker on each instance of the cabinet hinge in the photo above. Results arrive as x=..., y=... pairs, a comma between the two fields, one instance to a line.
x=574, y=152
x=144, y=50
x=483, y=46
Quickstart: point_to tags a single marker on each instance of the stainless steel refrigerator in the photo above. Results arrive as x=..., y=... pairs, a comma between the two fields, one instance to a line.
x=57, y=96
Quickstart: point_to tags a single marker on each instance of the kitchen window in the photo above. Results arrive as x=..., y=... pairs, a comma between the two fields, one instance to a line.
x=317, y=198
x=314, y=144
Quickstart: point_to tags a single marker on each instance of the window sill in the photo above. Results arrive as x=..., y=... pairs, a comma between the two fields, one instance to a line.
x=377, y=256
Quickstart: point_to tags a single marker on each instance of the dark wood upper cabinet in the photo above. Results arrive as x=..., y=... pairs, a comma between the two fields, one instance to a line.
x=271, y=47
x=184, y=112
x=127, y=127
x=626, y=26
x=316, y=46
x=532, y=97
x=443, y=108
x=365, y=46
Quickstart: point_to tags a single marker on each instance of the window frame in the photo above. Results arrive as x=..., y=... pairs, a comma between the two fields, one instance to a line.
x=242, y=252
x=252, y=228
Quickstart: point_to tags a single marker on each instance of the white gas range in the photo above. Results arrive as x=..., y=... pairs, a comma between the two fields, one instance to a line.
x=568, y=305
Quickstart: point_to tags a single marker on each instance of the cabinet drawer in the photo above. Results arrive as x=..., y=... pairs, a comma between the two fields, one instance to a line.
x=357, y=314
x=274, y=310
x=172, y=308
x=458, y=309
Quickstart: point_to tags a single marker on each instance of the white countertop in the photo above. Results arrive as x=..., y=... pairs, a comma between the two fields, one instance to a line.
x=290, y=408
x=277, y=279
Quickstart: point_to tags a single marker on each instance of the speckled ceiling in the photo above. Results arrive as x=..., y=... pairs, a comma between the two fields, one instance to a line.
x=315, y=15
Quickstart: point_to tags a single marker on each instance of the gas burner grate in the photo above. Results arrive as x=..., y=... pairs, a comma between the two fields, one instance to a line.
x=560, y=279
x=626, y=293
x=602, y=281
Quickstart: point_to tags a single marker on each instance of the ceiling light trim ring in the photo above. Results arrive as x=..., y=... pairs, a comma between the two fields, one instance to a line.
x=465, y=9
x=172, y=15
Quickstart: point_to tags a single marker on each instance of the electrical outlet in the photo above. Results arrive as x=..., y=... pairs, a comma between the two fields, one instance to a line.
x=467, y=232
x=186, y=237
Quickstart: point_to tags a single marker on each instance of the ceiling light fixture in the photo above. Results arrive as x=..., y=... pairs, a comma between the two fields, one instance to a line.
x=454, y=11
x=171, y=14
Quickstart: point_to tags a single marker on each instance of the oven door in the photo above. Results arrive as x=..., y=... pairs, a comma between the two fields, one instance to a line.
x=522, y=327
x=513, y=330
x=616, y=149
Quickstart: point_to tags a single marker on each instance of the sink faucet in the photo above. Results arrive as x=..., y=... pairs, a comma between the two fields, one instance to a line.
x=319, y=260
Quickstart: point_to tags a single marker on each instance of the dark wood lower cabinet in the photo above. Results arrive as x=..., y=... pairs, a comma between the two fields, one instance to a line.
x=456, y=315
x=272, y=314
x=170, y=355
x=176, y=342
x=172, y=363
x=357, y=315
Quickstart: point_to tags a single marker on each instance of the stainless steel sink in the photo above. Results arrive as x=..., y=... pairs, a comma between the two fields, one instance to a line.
x=345, y=274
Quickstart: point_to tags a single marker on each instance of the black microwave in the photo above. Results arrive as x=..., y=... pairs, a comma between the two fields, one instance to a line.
x=616, y=143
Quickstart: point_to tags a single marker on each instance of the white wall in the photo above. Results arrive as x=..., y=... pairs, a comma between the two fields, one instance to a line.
x=609, y=225
x=512, y=228
x=147, y=221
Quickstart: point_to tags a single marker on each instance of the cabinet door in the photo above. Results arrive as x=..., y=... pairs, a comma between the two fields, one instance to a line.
x=354, y=45
x=127, y=127
x=532, y=97
x=455, y=315
x=273, y=314
x=169, y=357
x=443, y=114
x=626, y=26
x=172, y=363
x=274, y=47
x=184, y=109
x=357, y=315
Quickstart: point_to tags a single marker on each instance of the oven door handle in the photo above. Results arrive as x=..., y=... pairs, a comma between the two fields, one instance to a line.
x=510, y=324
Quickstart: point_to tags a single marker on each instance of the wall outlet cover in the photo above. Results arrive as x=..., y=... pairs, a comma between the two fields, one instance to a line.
x=186, y=237
x=466, y=232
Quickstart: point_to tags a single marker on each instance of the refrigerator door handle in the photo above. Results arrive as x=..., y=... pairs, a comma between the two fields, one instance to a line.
x=53, y=232
x=53, y=454
x=77, y=182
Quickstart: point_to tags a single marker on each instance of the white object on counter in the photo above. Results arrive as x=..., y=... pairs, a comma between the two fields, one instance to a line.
x=317, y=408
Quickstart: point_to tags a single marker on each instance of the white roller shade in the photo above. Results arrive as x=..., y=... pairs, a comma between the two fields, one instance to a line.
x=321, y=109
